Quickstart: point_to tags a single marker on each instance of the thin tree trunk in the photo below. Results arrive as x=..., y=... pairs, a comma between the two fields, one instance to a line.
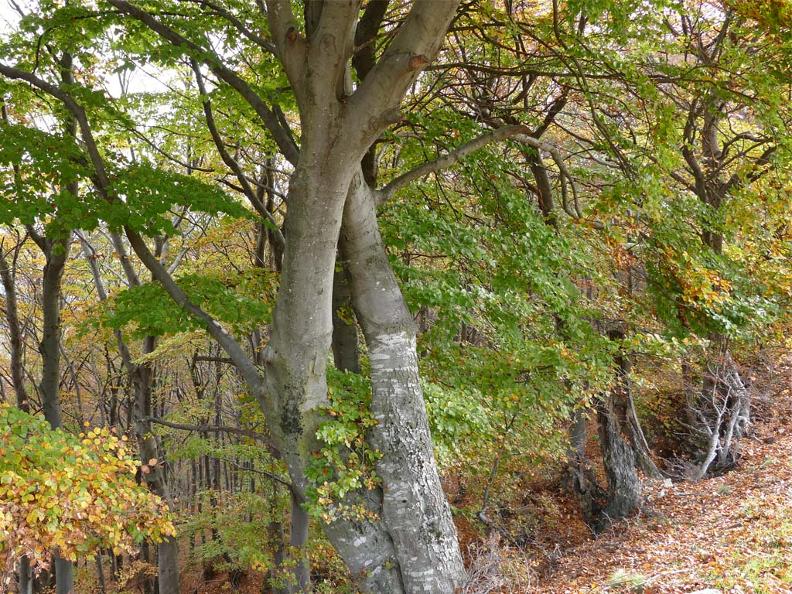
x=142, y=379
x=168, y=566
x=25, y=583
x=56, y=253
x=100, y=574
x=345, y=335
x=7, y=274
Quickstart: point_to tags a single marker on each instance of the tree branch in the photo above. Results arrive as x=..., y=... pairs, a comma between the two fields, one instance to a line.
x=271, y=121
x=416, y=43
x=229, y=160
x=265, y=44
x=209, y=428
x=519, y=133
x=246, y=367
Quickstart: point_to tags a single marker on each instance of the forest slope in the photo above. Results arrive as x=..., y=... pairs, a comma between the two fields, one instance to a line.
x=732, y=533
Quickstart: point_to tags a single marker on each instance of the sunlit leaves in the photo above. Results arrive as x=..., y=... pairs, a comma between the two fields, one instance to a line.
x=243, y=301
x=147, y=194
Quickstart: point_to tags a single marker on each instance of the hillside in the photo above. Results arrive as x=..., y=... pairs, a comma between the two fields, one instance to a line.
x=732, y=533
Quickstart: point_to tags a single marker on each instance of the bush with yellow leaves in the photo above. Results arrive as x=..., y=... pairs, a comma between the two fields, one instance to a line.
x=71, y=494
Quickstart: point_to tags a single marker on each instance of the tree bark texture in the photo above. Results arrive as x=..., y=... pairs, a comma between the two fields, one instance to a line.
x=413, y=547
x=624, y=486
x=56, y=254
x=414, y=508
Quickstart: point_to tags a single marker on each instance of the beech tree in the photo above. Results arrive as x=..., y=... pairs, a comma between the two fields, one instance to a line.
x=537, y=202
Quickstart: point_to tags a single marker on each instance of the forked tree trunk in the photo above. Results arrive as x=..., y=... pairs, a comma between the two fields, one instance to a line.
x=412, y=547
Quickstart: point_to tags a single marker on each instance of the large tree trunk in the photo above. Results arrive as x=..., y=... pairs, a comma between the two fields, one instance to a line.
x=302, y=322
x=413, y=545
x=296, y=360
x=624, y=486
x=414, y=509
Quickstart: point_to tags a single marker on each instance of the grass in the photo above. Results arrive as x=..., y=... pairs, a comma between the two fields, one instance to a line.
x=627, y=580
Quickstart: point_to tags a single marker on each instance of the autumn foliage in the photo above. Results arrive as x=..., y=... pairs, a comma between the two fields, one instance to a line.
x=75, y=495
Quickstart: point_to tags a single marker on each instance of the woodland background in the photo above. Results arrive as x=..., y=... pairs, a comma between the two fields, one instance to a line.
x=585, y=204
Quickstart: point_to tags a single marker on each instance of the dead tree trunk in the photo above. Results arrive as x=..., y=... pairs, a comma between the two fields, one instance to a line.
x=722, y=415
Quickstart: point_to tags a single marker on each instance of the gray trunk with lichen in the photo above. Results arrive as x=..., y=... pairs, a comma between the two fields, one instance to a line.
x=415, y=512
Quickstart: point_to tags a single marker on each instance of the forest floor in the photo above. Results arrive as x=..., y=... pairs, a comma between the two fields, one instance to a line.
x=731, y=534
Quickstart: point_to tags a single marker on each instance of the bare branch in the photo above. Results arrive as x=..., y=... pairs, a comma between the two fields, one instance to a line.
x=247, y=190
x=265, y=44
x=519, y=133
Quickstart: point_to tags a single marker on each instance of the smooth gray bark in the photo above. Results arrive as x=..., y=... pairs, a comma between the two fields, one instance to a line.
x=168, y=566
x=299, y=537
x=337, y=129
x=64, y=576
x=414, y=509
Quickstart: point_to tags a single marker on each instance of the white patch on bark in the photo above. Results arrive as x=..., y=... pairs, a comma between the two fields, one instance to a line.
x=414, y=507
